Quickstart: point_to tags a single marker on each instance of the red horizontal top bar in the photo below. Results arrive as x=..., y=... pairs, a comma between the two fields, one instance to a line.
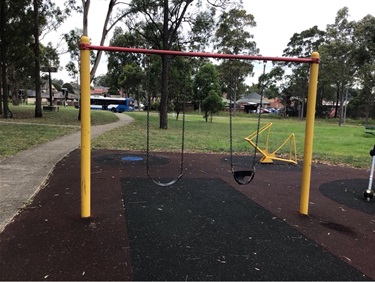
x=197, y=54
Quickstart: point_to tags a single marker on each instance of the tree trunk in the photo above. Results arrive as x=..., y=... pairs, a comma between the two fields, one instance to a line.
x=367, y=105
x=337, y=101
x=302, y=105
x=3, y=62
x=38, y=96
x=4, y=87
x=15, y=95
x=102, y=40
x=235, y=96
x=86, y=8
x=341, y=117
x=1, y=91
x=164, y=94
x=164, y=72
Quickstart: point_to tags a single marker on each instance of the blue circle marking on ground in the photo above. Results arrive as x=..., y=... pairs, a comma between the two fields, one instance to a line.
x=132, y=158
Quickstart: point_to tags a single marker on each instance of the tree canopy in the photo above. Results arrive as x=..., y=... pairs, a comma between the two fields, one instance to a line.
x=346, y=49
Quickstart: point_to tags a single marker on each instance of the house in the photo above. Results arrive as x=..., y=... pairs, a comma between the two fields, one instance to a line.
x=251, y=102
x=99, y=91
x=31, y=97
x=57, y=96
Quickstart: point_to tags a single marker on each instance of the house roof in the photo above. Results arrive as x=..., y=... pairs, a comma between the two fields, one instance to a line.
x=99, y=91
x=253, y=99
x=56, y=95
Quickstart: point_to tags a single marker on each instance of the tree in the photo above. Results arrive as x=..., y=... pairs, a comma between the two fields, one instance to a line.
x=19, y=64
x=161, y=28
x=117, y=60
x=131, y=79
x=302, y=45
x=73, y=39
x=101, y=80
x=364, y=57
x=69, y=87
x=109, y=23
x=212, y=104
x=233, y=37
x=337, y=53
x=45, y=13
x=161, y=24
x=270, y=82
x=205, y=81
x=107, y=27
x=38, y=97
x=15, y=31
x=180, y=86
x=22, y=23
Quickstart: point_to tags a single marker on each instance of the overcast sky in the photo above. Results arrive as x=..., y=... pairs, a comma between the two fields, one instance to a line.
x=276, y=20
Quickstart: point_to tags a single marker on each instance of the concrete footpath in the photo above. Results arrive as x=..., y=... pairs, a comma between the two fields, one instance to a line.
x=22, y=175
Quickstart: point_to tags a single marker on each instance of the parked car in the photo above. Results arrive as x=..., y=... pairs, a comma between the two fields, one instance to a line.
x=269, y=111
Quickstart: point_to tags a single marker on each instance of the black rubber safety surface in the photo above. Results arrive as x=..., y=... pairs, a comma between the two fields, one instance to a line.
x=349, y=192
x=203, y=229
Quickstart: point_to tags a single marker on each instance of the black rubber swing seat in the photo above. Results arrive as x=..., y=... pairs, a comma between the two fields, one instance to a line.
x=243, y=177
x=167, y=184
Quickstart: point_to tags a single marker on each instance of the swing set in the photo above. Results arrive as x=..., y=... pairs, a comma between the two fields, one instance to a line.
x=241, y=176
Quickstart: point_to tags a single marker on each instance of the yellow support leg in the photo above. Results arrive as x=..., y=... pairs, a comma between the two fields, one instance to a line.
x=309, y=135
x=85, y=130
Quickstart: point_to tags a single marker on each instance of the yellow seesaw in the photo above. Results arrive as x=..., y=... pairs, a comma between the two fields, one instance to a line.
x=269, y=157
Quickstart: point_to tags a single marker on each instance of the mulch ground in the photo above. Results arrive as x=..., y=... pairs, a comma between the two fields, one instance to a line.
x=205, y=227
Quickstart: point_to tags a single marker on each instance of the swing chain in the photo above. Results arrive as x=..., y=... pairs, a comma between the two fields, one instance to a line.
x=240, y=176
x=148, y=143
x=230, y=133
x=259, y=113
x=148, y=132
x=183, y=136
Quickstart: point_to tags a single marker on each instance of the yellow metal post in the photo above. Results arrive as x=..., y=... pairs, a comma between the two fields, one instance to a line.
x=309, y=135
x=85, y=130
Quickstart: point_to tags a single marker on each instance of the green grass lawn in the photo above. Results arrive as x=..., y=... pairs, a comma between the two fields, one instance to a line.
x=24, y=131
x=65, y=116
x=344, y=145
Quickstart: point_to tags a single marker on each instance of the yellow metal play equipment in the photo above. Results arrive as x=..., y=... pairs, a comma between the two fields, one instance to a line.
x=269, y=157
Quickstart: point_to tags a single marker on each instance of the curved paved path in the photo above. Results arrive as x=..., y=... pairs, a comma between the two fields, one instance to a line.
x=23, y=174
